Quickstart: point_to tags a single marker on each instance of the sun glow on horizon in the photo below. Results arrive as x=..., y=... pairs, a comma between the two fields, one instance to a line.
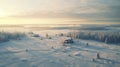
x=2, y=13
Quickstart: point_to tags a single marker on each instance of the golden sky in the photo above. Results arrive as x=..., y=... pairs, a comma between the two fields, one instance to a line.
x=59, y=11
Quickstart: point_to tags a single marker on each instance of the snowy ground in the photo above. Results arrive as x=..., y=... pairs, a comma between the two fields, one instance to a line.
x=44, y=52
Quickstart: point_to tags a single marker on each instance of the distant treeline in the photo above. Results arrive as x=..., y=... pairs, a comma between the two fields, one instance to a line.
x=6, y=36
x=11, y=26
x=107, y=37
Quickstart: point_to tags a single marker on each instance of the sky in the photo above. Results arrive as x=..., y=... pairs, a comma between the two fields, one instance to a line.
x=59, y=11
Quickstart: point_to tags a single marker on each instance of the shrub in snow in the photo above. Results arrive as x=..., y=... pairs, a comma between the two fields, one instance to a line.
x=49, y=37
x=93, y=59
x=56, y=34
x=68, y=41
x=69, y=55
x=86, y=44
x=26, y=50
x=52, y=47
x=30, y=33
x=98, y=55
x=61, y=34
x=6, y=36
x=24, y=60
x=35, y=35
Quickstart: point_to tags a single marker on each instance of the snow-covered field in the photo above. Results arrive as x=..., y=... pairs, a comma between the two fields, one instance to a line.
x=45, y=48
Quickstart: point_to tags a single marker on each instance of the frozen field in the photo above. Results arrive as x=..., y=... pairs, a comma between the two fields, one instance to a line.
x=44, y=47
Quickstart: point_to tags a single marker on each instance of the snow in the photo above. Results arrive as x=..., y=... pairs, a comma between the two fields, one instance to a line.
x=43, y=52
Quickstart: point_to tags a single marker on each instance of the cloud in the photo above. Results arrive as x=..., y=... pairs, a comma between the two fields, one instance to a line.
x=95, y=10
